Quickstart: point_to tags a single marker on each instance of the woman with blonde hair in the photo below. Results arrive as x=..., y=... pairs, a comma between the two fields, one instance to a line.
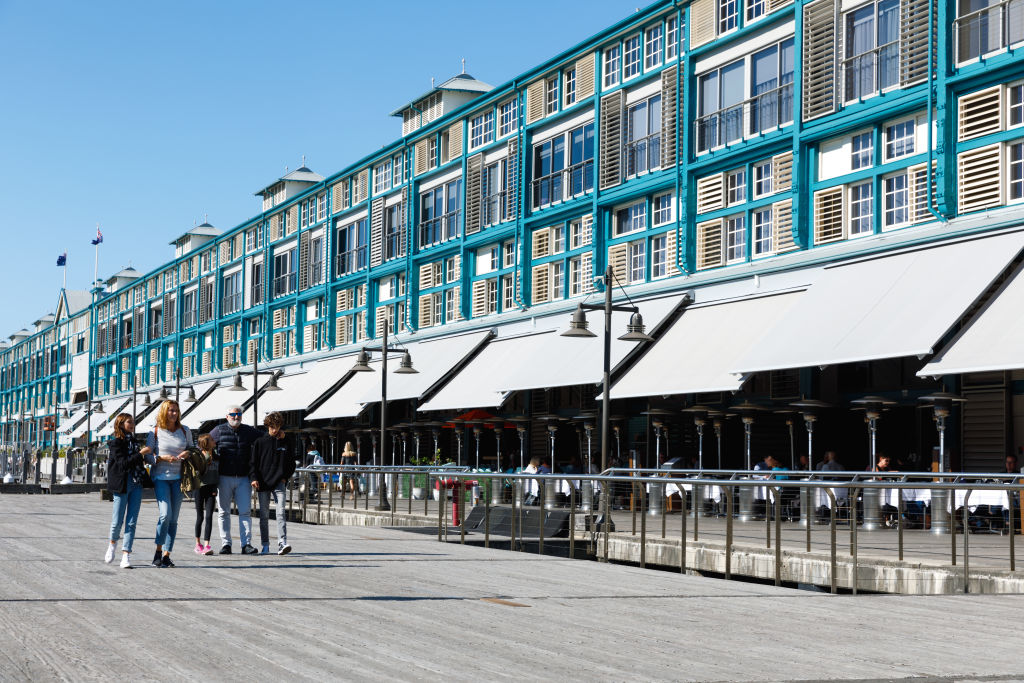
x=166, y=447
x=124, y=481
x=349, y=457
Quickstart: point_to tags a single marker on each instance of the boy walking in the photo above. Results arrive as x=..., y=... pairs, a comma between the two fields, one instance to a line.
x=271, y=466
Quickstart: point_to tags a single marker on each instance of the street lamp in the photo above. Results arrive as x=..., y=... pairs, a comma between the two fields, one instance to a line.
x=405, y=368
x=236, y=385
x=635, y=333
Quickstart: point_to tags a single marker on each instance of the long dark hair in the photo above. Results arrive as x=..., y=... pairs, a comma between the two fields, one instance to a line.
x=119, y=431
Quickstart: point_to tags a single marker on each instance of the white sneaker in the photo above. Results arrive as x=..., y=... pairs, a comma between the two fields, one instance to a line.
x=109, y=557
x=125, y=562
x=284, y=549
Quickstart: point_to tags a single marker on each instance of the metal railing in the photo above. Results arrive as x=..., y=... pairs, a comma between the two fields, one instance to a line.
x=350, y=261
x=871, y=72
x=231, y=303
x=394, y=244
x=440, y=229
x=563, y=184
x=285, y=284
x=989, y=29
x=643, y=154
x=493, y=209
x=757, y=114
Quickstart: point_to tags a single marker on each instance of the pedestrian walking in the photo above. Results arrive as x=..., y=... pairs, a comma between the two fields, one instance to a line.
x=273, y=464
x=234, y=448
x=124, y=481
x=206, y=495
x=166, y=448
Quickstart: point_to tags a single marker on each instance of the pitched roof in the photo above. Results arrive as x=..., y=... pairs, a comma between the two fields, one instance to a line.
x=299, y=175
x=457, y=83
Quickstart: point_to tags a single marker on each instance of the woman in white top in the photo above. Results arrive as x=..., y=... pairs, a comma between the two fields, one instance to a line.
x=166, y=448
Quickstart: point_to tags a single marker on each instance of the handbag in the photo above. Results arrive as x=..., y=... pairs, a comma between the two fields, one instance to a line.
x=147, y=481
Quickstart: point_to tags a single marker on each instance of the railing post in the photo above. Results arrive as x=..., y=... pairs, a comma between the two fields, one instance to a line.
x=572, y=521
x=1013, y=530
x=967, y=536
x=487, y=520
x=835, y=565
x=643, y=527
x=728, y=534
x=682, y=533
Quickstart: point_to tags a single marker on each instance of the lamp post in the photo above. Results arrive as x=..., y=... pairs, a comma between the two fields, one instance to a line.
x=405, y=368
x=942, y=405
x=873, y=407
x=700, y=418
x=809, y=410
x=255, y=372
x=90, y=411
x=635, y=333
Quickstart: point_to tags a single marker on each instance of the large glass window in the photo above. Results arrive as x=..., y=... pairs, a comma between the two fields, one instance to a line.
x=861, y=209
x=563, y=166
x=494, y=208
x=721, y=106
x=728, y=11
x=763, y=233
x=508, y=117
x=394, y=233
x=659, y=257
x=871, y=62
x=735, y=238
x=231, y=293
x=351, y=247
x=652, y=47
x=899, y=140
x=481, y=130
x=736, y=187
x=896, y=200
x=637, y=261
x=631, y=219
x=612, y=65
x=440, y=216
x=631, y=63
x=771, y=86
x=984, y=26
x=1016, y=188
x=1016, y=97
x=284, y=272
x=863, y=151
x=643, y=136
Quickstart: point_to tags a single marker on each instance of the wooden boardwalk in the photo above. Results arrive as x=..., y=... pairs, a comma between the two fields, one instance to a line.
x=363, y=603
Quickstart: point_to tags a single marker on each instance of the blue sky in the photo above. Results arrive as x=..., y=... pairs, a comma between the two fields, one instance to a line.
x=147, y=117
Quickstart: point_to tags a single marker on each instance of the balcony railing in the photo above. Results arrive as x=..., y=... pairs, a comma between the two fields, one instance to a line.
x=440, y=229
x=990, y=29
x=232, y=303
x=126, y=341
x=760, y=113
x=350, y=261
x=316, y=271
x=869, y=73
x=394, y=244
x=206, y=312
x=188, y=318
x=156, y=331
x=643, y=154
x=493, y=209
x=256, y=293
x=284, y=284
x=563, y=184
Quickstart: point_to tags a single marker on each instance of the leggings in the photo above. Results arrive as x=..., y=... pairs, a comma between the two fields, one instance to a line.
x=206, y=502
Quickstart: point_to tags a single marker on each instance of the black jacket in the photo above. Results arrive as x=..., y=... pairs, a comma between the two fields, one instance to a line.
x=123, y=461
x=273, y=461
x=234, y=446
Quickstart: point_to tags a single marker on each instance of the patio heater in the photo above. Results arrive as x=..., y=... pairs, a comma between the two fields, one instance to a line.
x=497, y=487
x=458, y=426
x=873, y=407
x=746, y=411
x=809, y=409
x=942, y=403
x=700, y=418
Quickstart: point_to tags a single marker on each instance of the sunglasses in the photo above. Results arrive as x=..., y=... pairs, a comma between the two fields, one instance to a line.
x=234, y=415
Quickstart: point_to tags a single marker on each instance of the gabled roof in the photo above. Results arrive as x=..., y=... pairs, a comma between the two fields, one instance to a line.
x=48, y=318
x=458, y=83
x=77, y=300
x=204, y=230
x=128, y=272
x=299, y=175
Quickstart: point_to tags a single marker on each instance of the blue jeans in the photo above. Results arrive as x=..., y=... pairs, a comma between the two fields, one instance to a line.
x=240, y=490
x=282, y=527
x=168, y=501
x=126, y=510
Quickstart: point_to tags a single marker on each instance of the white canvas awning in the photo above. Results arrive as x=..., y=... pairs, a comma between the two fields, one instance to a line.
x=299, y=390
x=993, y=340
x=698, y=352
x=215, y=406
x=883, y=307
x=103, y=425
x=148, y=423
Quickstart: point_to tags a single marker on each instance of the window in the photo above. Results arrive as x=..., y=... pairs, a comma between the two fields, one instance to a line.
x=659, y=257
x=551, y=95
x=488, y=260
x=720, y=118
x=508, y=117
x=231, y=293
x=763, y=179
x=612, y=64
x=507, y=293
x=492, y=297
x=188, y=309
x=863, y=151
x=569, y=87
x=575, y=234
x=206, y=261
x=637, y=261
x=728, y=11
x=762, y=232
x=558, y=238
x=1016, y=98
x=508, y=258
x=350, y=255
x=861, y=209
x=871, y=62
x=736, y=187
x=652, y=47
x=756, y=9
x=440, y=216
x=316, y=260
x=321, y=203
x=284, y=272
x=575, y=276
x=394, y=233
x=431, y=152
x=771, y=90
x=256, y=283
x=631, y=219
x=558, y=280
x=382, y=177
x=899, y=140
x=494, y=208
x=643, y=136
x=481, y=130
x=896, y=200
x=735, y=238
x=671, y=38
x=451, y=305
x=563, y=166
x=1016, y=188
x=984, y=26
x=663, y=209
x=631, y=64
x=451, y=269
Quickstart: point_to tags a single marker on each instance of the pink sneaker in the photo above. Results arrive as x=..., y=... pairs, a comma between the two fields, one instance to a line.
x=207, y=550
x=198, y=549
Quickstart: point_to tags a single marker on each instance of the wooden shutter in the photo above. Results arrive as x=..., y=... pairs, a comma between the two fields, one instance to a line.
x=228, y=334
x=223, y=251
x=618, y=259
x=611, y=139
x=917, y=179
x=426, y=310
x=702, y=22
x=227, y=356
x=207, y=361
x=541, y=291
x=587, y=229
x=585, y=76
x=777, y=4
x=541, y=242
x=980, y=178
x=458, y=266
x=819, y=59
x=437, y=278
x=458, y=302
x=671, y=251
x=341, y=330
x=187, y=368
x=782, y=220
x=303, y=261
x=154, y=374
x=307, y=338
x=186, y=345
x=980, y=113
x=709, y=244
x=251, y=349
x=586, y=272
x=710, y=193
x=512, y=178
x=343, y=299
x=277, y=348
x=535, y=101
x=379, y=321
x=474, y=189
x=139, y=327
x=914, y=40
x=293, y=219
x=668, y=117
x=782, y=172
x=361, y=186
x=426, y=276
x=337, y=196
x=420, y=162
x=479, y=298
x=239, y=244
x=377, y=232
x=828, y=215
x=278, y=319
x=454, y=141
x=203, y=294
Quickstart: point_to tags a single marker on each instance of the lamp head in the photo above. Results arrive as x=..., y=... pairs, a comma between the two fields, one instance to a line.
x=146, y=401
x=272, y=384
x=362, y=362
x=163, y=393
x=191, y=398
x=98, y=409
x=236, y=383
x=635, y=330
x=578, y=325
x=405, y=367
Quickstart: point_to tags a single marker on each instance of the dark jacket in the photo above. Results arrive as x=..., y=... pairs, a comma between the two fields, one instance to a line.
x=124, y=460
x=273, y=461
x=234, y=446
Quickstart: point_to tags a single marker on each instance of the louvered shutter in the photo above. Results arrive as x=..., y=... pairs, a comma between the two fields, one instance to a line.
x=782, y=172
x=154, y=374
x=278, y=318
x=169, y=317
x=710, y=193
x=227, y=357
x=426, y=310
x=195, y=266
x=303, y=261
x=420, y=163
x=541, y=291
x=224, y=252
x=709, y=244
x=454, y=141
x=379, y=321
x=479, y=298
x=611, y=139
x=377, y=232
x=535, y=101
x=341, y=330
x=819, y=59
x=360, y=186
x=228, y=334
x=426, y=276
x=541, y=242
x=914, y=40
x=782, y=220
x=980, y=113
x=337, y=193
x=239, y=244
x=458, y=266
x=668, y=117
x=618, y=259
x=207, y=361
x=307, y=338
x=293, y=219
x=586, y=272
x=980, y=178
x=777, y=4
x=203, y=292
x=341, y=300
x=587, y=229
x=474, y=190
x=585, y=76
x=702, y=22
x=671, y=268
x=828, y=215
x=457, y=295
x=138, y=327
x=512, y=178
x=186, y=345
x=277, y=346
x=186, y=367
x=251, y=350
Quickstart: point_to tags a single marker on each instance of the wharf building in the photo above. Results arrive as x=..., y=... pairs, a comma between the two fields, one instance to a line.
x=820, y=200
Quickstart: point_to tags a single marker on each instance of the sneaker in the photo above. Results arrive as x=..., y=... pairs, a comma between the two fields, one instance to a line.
x=249, y=550
x=199, y=549
x=284, y=549
x=125, y=562
x=225, y=550
x=109, y=557
x=165, y=562
x=207, y=550
x=157, y=557
x=265, y=550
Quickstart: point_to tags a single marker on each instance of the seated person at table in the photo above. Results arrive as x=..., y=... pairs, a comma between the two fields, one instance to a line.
x=762, y=464
x=543, y=469
x=884, y=464
x=532, y=468
x=776, y=465
x=830, y=463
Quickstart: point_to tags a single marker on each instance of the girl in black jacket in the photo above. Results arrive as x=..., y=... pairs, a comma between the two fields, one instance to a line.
x=124, y=481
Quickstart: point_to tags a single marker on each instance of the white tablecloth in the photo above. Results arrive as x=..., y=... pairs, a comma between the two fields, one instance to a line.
x=531, y=487
x=983, y=497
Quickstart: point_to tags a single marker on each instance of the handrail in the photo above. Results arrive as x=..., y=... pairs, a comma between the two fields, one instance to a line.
x=563, y=184
x=739, y=120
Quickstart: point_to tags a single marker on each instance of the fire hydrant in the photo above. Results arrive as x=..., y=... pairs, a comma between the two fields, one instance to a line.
x=456, y=486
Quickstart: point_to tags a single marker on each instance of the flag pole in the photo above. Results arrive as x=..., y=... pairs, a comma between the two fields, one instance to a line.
x=65, y=285
x=96, y=266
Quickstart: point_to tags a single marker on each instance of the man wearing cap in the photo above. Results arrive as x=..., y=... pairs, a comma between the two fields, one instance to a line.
x=234, y=447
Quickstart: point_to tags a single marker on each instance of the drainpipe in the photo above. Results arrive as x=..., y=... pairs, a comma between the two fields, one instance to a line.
x=517, y=293
x=929, y=174
x=680, y=260
x=407, y=178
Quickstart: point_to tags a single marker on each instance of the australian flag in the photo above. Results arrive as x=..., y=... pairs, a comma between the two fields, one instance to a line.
x=99, y=237
x=62, y=260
